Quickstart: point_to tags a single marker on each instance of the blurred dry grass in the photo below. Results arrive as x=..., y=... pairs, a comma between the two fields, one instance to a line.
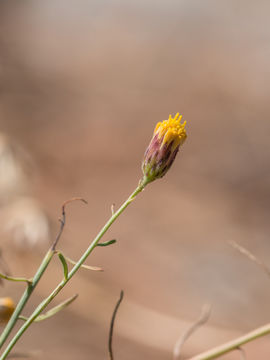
x=82, y=86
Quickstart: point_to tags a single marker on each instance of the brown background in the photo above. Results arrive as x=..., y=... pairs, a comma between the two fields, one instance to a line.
x=82, y=85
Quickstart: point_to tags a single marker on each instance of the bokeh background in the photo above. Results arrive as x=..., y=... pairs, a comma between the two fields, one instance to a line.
x=82, y=85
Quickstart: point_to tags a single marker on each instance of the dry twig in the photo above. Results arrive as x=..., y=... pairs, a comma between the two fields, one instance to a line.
x=25, y=355
x=63, y=219
x=250, y=256
x=243, y=354
x=113, y=209
x=112, y=323
x=205, y=314
x=3, y=264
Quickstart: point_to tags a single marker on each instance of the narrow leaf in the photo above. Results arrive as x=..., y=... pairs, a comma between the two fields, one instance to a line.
x=53, y=311
x=93, y=268
x=107, y=243
x=88, y=267
x=11, y=278
x=56, y=309
x=64, y=263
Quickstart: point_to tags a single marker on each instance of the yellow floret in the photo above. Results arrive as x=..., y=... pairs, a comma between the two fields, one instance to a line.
x=172, y=130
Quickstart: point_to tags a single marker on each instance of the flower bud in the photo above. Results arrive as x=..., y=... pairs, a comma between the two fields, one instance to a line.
x=161, y=152
x=7, y=307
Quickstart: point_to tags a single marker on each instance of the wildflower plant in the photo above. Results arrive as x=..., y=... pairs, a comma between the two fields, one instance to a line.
x=163, y=148
x=168, y=136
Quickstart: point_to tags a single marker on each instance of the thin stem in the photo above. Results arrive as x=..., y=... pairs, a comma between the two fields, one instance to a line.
x=233, y=345
x=112, y=324
x=205, y=314
x=28, y=291
x=72, y=272
x=33, y=283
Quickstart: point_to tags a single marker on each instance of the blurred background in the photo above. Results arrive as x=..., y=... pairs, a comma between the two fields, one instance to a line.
x=83, y=84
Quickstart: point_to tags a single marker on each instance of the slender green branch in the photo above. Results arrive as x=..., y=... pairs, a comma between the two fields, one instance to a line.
x=233, y=345
x=31, y=285
x=26, y=295
x=73, y=271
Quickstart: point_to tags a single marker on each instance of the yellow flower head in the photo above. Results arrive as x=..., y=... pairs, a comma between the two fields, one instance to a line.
x=171, y=131
x=7, y=307
x=161, y=152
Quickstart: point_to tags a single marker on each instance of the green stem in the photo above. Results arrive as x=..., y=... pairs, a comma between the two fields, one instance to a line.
x=72, y=272
x=233, y=345
x=26, y=295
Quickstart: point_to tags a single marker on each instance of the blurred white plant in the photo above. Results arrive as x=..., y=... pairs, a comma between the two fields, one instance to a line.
x=25, y=223
x=13, y=170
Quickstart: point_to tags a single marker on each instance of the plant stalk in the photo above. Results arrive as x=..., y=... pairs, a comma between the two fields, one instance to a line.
x=72, y=272
x=26, y=295
x=233, y=345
